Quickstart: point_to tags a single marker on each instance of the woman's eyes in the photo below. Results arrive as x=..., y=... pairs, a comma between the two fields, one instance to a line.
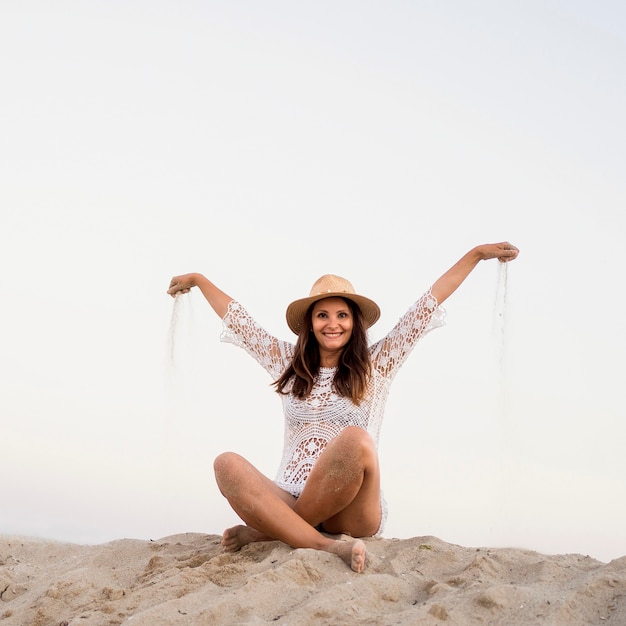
x=343, y=314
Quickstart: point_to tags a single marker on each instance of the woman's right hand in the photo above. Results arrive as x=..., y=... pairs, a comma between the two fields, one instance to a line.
x=182, y=284
x=218, y=300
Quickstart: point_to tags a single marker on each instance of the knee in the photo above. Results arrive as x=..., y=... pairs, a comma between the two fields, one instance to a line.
x=226, y=467
x=358, y=439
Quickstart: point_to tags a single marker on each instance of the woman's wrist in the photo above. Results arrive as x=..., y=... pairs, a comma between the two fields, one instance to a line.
x=196, y=279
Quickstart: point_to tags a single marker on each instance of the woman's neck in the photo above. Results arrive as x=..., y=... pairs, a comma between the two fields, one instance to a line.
x=329, y=359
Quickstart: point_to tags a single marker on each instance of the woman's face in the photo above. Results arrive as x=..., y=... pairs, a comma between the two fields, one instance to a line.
x=332, y=321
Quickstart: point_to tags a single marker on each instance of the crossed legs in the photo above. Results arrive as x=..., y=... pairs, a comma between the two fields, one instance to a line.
x=342, y=492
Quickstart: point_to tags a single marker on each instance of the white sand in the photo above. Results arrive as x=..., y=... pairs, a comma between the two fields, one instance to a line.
x=188, y=579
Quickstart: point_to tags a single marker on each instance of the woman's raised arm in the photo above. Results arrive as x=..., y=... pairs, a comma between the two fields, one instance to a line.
x=215, y=297
x=447, y=284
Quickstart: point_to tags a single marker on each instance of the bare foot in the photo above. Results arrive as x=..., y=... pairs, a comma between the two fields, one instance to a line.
x=352, y=552
x=235, y=538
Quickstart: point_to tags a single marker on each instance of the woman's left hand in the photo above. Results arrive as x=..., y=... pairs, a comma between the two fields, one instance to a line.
x=504, y=251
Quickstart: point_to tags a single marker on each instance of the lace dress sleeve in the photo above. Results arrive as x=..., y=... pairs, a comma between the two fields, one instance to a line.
x=389, y=353
x=241, y=329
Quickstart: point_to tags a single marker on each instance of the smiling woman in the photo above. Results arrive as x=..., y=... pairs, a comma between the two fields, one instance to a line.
x=334, y=388
x=332, y=322
x=332, y=299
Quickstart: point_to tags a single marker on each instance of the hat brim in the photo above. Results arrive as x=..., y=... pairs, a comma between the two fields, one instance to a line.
x=297, y=310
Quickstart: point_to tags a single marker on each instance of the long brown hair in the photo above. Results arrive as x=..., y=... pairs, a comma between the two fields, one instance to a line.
x=354, y=368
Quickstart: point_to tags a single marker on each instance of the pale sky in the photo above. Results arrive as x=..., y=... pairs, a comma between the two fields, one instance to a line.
x=264, y=144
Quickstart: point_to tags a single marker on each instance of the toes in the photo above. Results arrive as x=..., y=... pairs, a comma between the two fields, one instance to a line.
x=358, y=557
x=230, y=541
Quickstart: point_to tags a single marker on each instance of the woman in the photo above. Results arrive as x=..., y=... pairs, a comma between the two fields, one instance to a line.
x=333, y=388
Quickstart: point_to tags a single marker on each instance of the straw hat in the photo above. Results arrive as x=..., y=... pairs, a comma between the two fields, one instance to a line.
x=330, y=286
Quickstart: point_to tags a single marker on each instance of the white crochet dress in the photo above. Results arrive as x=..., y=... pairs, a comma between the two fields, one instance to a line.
x=312, y=422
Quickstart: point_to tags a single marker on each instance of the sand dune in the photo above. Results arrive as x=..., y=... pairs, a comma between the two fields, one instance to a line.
x=187, y=579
